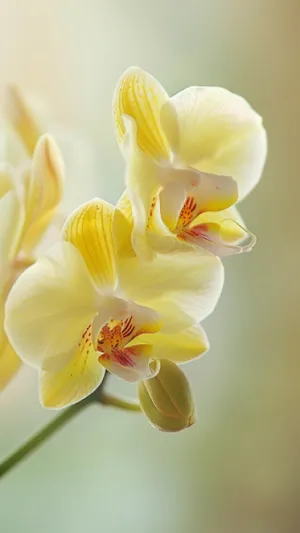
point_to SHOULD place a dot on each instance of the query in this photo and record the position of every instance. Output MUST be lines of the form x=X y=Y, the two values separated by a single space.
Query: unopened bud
x=167 y=399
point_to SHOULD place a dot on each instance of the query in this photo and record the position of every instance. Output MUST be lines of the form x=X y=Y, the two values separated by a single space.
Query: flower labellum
x=167 y=399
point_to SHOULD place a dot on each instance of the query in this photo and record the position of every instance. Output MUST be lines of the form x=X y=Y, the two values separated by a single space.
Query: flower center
x=113 y=338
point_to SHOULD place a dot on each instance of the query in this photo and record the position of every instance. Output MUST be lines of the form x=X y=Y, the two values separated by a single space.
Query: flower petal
x=74 y=381
x=11 y=221
x=36 y=231
x=21 y=118
x=43 y=189
x=172 y=199
x=180 y=347
x=9 y=361
x=183 y=287
x=122 y=227
x=140 y=96
x=219 y=133
x=49 y=305
x=47 y=176
x=6 y=180
x=143 y=185
x=214 y=237
x=89 y=229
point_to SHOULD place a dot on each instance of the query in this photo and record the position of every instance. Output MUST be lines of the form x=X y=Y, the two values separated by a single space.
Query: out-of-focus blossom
x=29 y=197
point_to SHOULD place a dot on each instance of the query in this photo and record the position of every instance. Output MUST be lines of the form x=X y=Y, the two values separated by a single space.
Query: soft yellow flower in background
x=189 y=159
x=10 y=222
x=82 y=309
x=29 y=198
x=21 y=119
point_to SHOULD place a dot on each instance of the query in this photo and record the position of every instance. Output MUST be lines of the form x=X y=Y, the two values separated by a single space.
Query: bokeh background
x=238 y=469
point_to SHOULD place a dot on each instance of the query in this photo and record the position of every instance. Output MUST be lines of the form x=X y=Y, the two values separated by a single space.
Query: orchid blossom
x=190 y=158
x=81 y=309
x=28 y=204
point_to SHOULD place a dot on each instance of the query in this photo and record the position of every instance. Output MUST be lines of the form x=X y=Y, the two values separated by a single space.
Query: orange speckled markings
x=187 y=213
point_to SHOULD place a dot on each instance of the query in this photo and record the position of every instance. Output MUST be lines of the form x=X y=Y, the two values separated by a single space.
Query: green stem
x=108 y=399
x=36 y=440
x=60 y=420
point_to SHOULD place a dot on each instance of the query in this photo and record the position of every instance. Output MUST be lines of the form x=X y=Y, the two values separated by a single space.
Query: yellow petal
x=74 y=381
x=179 y=347
x=11 y=222
x=143 y=182
x=9 y=363
x=89 y=229
x=21 y=118
x=6 y=180
x=172 y=199
x=37 y=230
x=49 y=306
x=183 y=287
x=43 y=189
x=219 y=133
x=123 y=226
x=140 y=96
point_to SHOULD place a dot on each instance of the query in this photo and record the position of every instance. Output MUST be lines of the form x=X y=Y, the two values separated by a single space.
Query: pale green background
x=238 y=469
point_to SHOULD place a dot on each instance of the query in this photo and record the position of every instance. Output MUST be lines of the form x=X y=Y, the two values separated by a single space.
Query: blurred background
x=238 y=469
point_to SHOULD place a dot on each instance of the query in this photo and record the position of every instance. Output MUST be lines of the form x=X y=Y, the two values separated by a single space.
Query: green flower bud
x=167 y=399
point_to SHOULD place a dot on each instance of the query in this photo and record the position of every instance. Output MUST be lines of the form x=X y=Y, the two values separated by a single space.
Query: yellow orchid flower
x=28 y=202
x=81 y=309
x=190 y=157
